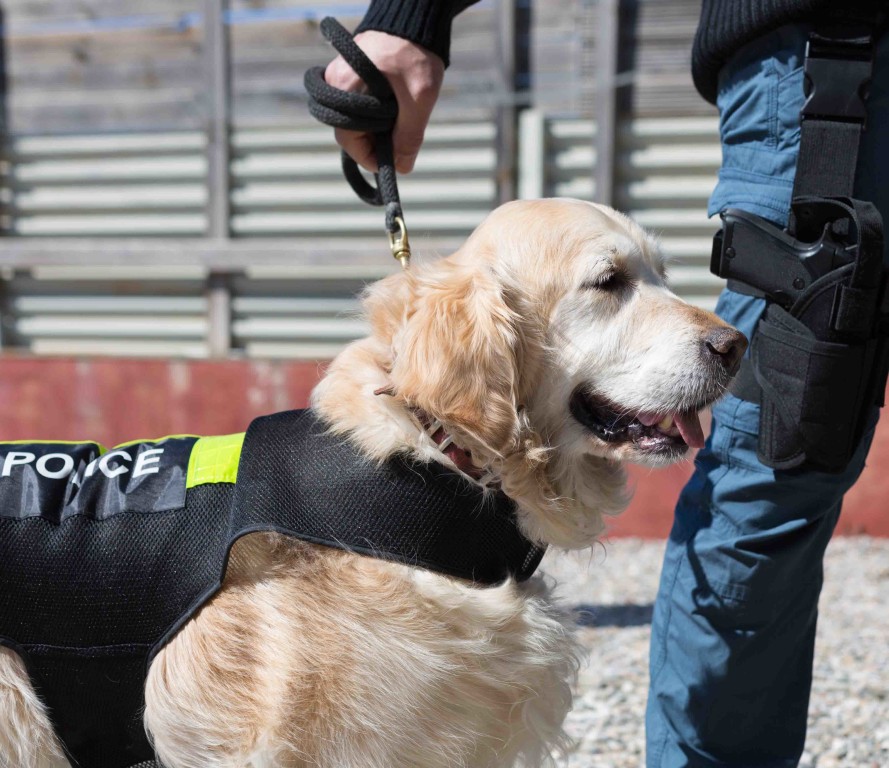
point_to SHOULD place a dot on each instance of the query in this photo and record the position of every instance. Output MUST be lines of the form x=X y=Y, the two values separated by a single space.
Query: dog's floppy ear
x=457 y=350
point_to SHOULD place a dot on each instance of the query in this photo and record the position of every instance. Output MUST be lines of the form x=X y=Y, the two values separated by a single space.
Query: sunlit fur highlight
x=26 y=736
x=310 y=656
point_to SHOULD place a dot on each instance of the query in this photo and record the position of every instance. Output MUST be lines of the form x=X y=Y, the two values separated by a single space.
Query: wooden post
x=513 y=27
x=4 y=79
x=219 y=314
x=217 y=71
x=606 y=99
x=505 y=120
x=6 y=220
x=532 y=155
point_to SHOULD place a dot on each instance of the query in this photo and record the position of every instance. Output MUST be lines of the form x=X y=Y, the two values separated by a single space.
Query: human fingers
x=359 y=145
x=415 y=75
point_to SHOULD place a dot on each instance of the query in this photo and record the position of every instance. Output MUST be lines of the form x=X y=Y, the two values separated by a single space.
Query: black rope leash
x=375 y=113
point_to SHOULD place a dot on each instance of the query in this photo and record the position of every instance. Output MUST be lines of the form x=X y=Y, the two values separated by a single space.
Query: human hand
x=415 y=75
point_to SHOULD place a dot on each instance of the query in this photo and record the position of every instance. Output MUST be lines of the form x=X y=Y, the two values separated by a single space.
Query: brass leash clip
x=400 y=244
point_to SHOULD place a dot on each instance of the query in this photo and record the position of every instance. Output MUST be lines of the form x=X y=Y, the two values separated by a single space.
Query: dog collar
x=459 y=456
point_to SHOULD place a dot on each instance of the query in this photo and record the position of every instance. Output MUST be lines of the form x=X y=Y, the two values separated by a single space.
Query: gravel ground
x=614 y=588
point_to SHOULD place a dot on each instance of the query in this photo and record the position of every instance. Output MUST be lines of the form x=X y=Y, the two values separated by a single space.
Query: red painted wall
x=115 y=400
x=865 y=508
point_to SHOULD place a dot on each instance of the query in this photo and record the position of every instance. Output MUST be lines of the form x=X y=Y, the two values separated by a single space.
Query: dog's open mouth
x=654 y=432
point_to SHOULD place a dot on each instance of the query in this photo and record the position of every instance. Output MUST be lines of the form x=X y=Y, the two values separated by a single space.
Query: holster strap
x=745 y=385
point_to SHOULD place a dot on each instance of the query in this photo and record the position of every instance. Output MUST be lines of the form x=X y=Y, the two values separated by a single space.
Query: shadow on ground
x=626 y=615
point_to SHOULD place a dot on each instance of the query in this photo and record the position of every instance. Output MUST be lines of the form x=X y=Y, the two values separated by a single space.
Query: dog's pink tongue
x=689 y=426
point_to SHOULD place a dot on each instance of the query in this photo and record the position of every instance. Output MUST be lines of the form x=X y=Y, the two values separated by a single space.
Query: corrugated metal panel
x=92 y=69
x=111 y=65
x=57 y=311
x=654 y=58
x=124 y=311
x=290 y=183
x=284 y=182
x=666 y=172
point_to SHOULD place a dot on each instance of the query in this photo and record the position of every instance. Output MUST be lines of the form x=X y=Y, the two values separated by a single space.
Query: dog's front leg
x=26 y=735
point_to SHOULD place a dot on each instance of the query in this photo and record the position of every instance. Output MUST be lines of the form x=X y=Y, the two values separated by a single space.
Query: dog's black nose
x=728 y=346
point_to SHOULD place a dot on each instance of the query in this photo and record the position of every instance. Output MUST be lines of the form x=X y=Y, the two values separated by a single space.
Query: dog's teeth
x=665 y=423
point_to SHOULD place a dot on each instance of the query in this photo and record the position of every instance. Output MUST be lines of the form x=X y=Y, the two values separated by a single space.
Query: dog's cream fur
x=310 y=656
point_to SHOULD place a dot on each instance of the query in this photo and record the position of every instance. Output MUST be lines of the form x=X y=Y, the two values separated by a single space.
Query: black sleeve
x=727 y=25
x=425 y=22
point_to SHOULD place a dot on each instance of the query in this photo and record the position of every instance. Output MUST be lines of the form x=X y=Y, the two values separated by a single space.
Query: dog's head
x=551 y=348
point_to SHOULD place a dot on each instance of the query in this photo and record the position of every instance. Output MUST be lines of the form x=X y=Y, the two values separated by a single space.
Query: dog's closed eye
x=609 y=280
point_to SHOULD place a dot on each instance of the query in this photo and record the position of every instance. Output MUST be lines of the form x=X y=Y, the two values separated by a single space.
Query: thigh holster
x=818 y=360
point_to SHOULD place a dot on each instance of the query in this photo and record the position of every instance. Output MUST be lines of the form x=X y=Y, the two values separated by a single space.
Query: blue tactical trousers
x=734 y=623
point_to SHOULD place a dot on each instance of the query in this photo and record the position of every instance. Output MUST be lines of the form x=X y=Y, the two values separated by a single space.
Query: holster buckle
x=837 y=74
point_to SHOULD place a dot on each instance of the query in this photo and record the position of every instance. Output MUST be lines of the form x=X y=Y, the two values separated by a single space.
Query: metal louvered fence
x=156 y=203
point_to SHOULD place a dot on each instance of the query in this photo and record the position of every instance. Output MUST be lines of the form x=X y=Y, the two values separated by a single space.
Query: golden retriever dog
x=551 y=351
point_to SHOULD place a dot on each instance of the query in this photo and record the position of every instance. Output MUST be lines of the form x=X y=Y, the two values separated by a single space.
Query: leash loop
x=374 y=112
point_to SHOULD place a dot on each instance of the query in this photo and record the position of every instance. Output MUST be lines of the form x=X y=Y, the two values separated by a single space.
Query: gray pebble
x=615 y=589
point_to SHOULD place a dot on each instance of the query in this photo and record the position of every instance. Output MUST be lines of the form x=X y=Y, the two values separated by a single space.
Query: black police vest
x=104 y=555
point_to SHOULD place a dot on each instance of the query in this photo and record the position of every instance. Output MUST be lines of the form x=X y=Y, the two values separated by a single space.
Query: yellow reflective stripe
x=214 y=460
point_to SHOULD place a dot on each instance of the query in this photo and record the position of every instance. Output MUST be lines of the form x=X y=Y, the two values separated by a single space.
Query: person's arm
x=409 y=41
